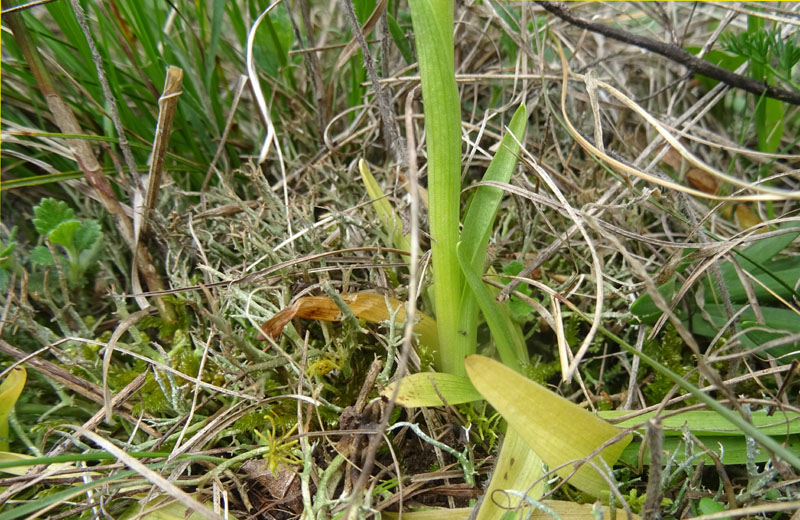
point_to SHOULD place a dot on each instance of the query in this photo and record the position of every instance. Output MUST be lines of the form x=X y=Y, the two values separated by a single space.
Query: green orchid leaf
x=10 y=391
x=429 y=388
x=558 y=430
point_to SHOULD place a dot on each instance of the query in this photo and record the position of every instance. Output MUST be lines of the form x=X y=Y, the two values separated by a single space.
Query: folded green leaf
x=558 y=430
x=10 y=391
x=64 y=234
x=478 y=223
x=564 y=510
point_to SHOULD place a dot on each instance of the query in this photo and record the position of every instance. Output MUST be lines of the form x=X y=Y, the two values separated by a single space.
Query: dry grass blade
x=765 y=193
x=157 y=480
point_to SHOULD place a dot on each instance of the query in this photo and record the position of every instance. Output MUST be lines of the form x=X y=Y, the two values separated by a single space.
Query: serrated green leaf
x=40 y=255
x=558 y=430
x=10 y=390
x=64 y=233
x=49 y=214
x=425 y=389
x=87 y=235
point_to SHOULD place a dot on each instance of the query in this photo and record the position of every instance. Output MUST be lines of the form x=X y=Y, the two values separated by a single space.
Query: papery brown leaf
x=371 y=307
x=703 y=181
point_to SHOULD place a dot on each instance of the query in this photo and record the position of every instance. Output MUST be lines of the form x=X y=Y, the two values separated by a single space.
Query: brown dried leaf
x=746 y=218
x=371 y=307
x=703 y=181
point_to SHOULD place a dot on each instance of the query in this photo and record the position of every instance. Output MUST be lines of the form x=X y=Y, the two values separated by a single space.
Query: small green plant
x=282 y=451
x=770 y=56
x=78 y=241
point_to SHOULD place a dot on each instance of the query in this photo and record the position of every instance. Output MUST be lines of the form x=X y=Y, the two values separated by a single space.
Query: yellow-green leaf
x=518 y=468
x=428 y=389
x=565 y=510
x=558 y=430
x=9 y=393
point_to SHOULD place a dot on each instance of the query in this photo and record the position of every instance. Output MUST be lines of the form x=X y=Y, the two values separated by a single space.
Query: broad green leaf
x=565 y=510
x=10 y=390
x=425 y=389
x=708 y=422
x=729 y=449
x=87 y=235
x=776 y=319
x=49 y=214
x=558 y=430
x=646 y=309
x=391 y=222
x=759 y=260
x=64 y=233
x=433 y=34
x=755 y=336
x=765 y=249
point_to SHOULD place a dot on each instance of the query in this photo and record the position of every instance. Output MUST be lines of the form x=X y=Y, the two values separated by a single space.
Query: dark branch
x=676 y=54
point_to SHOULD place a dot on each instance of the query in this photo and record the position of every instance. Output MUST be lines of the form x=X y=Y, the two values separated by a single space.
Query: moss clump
x=668 y=349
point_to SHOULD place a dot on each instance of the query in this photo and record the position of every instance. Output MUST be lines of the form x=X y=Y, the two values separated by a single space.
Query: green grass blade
x=433 y=30
x=703 y=423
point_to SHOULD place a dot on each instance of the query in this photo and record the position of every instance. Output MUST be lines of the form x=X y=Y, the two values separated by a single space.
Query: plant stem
x=433 y=29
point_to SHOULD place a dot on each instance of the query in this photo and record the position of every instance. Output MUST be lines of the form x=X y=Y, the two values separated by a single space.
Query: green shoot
x=80 y=240
x=433 y=29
